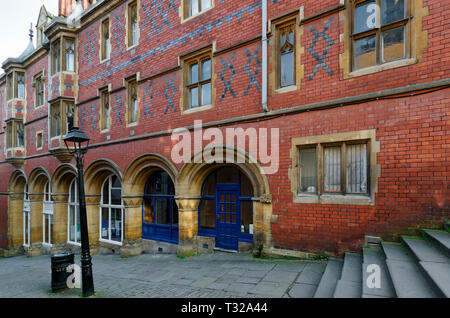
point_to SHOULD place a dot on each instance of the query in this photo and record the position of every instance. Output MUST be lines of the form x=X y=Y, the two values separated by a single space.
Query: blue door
x=228 y=214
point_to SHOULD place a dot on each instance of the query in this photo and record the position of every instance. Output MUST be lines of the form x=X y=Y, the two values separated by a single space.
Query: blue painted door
x=228 y=217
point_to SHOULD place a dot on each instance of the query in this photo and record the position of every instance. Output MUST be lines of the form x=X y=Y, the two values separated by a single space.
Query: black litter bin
x=60 y=262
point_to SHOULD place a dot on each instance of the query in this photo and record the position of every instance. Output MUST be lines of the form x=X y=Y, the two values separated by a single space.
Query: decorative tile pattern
x=171 y=44
x=174 y=90
x=153 y=12
x=82 y=117
x=118 y=109
x=227 y=83
x=147 y=99
x=118 y=31
x=321 y=58
x=93 y=117
x=253 y=76
x=89 y=48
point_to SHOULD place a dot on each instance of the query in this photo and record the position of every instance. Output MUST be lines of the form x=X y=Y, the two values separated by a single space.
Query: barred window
x=334 y=169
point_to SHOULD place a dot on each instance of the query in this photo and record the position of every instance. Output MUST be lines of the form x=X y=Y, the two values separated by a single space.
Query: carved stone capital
x=16 y=162
x=187 y=203
x=266 y=198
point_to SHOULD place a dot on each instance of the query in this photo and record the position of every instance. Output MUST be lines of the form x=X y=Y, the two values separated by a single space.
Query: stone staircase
x=418 y=267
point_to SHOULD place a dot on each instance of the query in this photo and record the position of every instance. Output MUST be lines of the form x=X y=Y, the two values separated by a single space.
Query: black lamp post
x=74 y=141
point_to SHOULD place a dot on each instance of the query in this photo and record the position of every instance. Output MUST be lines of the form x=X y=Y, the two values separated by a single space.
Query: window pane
x=72 y=224
x=193 y=7
x=206 y=70
x=134 y=111
x=194 y=73
x=308 y=170
x=116 y=225
x=209 y=187
x=246 y=187
x=105 y=223
x=247 y=217
x=392 y=10
x=394 y=44
x=106 y=193
x=194 y=97
x=162 y=209
x=365 y=16
x=287 y=69
x=78 y=229
x=46 y=228
x=365 y=52
x=228 y=175
x=332 y=167
x=148 y=211
x=208 y=215
x=206 y=4
x=206 y=94
x=356 y=168
x=174 y=213
x=116 y=196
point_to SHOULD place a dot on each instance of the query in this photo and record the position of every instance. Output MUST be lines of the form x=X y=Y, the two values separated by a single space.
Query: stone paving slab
x=218 y=275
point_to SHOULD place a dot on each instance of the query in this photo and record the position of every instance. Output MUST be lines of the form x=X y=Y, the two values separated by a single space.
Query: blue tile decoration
x=321 y=58
x=170 y=98
x=118 y=109
x=153 y=12
x=227 y=83
x=82 y=117
x=119 y=30
x=253 y=76
x=147 y=99
x=171 y=44
x=93 y=117
x=89 y=48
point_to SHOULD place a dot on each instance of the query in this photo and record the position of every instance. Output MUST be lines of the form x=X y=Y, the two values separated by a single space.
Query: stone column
x=60 y=223
x=188 y=224
x=36 y=236
x=93 y=220
x=132 y=242
x=15 y=224
x=263 y=225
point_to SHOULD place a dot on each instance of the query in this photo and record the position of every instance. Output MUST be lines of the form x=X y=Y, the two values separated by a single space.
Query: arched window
x=160 y=212
x=74 y=234
x=47 y=212
x=111 y=211
x=26 y=218
x=226 y=208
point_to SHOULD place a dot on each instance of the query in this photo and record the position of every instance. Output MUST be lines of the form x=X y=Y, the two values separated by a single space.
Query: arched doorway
x=159 y=210
x=226 y=208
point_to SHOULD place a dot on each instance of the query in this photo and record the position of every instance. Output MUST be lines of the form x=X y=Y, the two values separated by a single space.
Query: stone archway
x=60 y=183
x=37 y=180
x=17 y=183
x=134 y=182
x=188 y=194
x=94 y=177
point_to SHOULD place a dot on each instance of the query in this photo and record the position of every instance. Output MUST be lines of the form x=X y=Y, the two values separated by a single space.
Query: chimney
x=67 y=7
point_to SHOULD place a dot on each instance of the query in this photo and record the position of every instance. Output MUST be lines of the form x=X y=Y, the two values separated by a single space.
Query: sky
x=15 y=19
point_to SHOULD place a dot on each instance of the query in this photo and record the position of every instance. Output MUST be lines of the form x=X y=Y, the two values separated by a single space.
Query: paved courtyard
x=167 y=276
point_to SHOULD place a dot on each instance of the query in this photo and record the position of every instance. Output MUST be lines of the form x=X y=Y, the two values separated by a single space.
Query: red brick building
x=358 y=90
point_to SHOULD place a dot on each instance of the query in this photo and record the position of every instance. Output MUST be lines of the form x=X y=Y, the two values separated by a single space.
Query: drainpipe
x=264 y=56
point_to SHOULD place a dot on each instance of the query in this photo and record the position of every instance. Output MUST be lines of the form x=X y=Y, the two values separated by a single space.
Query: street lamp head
x=76 y=141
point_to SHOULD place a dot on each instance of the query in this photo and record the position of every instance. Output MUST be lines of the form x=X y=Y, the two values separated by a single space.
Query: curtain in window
x=357 y=168
x=332 y=167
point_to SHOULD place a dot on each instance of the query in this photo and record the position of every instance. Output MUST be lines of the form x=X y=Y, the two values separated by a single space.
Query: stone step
x=441 y=238
x=425 y=251
x=407 y=278
x=329 y=279
x=440 y=274
x=375 y=256
x=349 y=285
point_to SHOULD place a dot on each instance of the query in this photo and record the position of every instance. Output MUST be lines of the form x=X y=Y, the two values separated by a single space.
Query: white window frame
x=47 y=213
x=110 y=206
x=26 y=212
x=73 y=202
